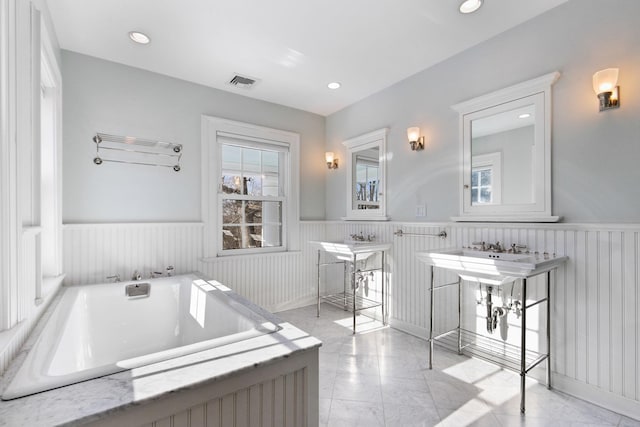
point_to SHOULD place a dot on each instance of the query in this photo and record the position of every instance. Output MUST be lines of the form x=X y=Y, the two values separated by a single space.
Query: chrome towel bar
x=442 y=234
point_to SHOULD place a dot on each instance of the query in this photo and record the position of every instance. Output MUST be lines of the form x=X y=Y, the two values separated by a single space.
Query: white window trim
x=24 y=40
x=211 y=127
x=51 y=77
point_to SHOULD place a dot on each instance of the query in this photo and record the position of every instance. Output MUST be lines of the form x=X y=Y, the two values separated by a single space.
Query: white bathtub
x=97 y=330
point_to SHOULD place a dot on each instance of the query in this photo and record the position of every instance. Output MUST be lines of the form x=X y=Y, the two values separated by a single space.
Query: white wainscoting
x=596 y=324
x=276 y=281
x=284 y=395
x=94 y=251
x=279 y=394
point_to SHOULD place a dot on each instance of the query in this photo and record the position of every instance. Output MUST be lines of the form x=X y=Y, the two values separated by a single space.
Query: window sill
x=250 y=256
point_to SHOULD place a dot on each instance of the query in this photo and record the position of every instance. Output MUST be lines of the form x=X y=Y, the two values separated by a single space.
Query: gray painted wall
x=102 y=96
x=595 y=171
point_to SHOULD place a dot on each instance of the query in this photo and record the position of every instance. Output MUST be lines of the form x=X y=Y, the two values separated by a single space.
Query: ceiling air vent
x=244 y=82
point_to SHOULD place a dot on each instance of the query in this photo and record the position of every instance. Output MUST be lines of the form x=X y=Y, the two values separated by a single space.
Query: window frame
x=283 y=198
x=213 y=130
x=493 y=163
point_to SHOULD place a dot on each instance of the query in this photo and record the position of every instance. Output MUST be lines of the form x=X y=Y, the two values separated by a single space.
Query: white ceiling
x=294 y=47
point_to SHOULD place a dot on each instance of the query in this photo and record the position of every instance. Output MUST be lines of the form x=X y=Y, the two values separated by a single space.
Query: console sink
x=492 y=268
x=346 y=251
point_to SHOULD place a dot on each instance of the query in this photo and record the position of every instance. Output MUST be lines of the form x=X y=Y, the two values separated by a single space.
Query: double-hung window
x=250 y=178
x=252 y=197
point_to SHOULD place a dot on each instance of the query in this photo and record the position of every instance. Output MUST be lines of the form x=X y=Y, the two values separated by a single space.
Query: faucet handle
x=517 y=248
x=115 y=276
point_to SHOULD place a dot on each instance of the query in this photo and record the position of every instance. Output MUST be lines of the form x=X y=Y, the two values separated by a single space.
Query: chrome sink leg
x=432 y=289
x=523 y=345
x=318 y=301
x=549 y=329
x=459 y=315
x=353 y=285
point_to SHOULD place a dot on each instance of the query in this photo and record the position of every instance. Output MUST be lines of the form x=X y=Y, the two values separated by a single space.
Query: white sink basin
x=491 y=267
x=346 y=251
x=494 y=255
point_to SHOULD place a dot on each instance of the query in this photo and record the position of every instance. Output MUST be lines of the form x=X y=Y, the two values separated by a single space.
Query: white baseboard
x=409 y=328
x=597 y=396
x=290 y=305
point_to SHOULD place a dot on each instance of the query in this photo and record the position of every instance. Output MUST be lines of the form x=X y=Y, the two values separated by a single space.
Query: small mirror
x=365 y=176
x=506 y=154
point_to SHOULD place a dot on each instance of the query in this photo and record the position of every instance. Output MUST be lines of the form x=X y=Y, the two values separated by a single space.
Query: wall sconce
x=415 y=140
x=332 y=162
x=605 y=85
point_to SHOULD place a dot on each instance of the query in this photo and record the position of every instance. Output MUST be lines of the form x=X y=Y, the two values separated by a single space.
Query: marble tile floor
x=380 y=377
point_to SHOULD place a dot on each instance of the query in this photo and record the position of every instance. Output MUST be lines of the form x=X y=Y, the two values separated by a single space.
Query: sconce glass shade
x=329 y=156
x=605 y=80
x=415 y=140
x=413 y=133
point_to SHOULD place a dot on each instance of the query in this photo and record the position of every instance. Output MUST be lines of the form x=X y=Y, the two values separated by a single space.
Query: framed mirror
x=366 y=170
x=505 y=139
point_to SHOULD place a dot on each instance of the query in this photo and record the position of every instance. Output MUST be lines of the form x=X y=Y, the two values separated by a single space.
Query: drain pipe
x=490 y=326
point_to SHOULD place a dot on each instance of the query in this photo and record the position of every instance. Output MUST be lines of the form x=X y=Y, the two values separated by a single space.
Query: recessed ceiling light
x=524 y=116
x=334 y=85
x=470 y=6
x=139 y=37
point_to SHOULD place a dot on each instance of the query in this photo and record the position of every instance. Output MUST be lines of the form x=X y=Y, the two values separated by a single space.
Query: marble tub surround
x=106 y=400
x=381 y=378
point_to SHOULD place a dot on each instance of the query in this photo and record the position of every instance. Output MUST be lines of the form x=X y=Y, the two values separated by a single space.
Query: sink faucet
x=481 y=244
x=517 y=249
x=136 y=276
x=357 y=237
x=497 y=247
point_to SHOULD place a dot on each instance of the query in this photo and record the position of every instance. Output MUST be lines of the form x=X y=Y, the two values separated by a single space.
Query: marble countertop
x=101 y=397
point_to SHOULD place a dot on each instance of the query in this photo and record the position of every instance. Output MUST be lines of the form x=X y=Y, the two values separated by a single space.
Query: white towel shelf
x=136 y=151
